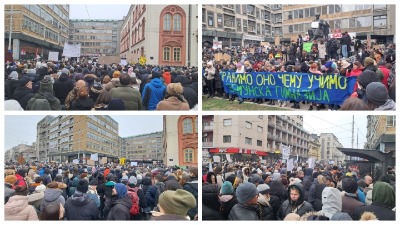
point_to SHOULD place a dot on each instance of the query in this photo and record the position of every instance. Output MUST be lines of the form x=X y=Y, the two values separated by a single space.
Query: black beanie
x=367 y=77
x=83 y=186
x=24 y=80
x=349 y=185
x=155 y=75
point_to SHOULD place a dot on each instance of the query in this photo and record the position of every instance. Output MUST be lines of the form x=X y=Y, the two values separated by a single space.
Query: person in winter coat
x=350 y=200
x=276 y=186
x=9 y=182
x=315 y=194
x=174 y=205
x=264 y=201
x=129 y=95
x=173 y=99
x=211 y=204
x=95 y=89
x=46 y=176
x=210 y=76
x=247 y=208
x=188 y=93
x=307 y=181
x=79 y=206
x=378 y=98
x=52 y=195
x=383 y=203
x=83 y=101
x=45 y=93
x=120 y=205
x=227 y=199
x=23 y=93
x=62 y=86
x=11 y=85
x=20 y=175
x=114 y=81
x=36 y=197
x=17 y=208
x=153 y=92
x=72 y=95
x=63 y=187
x=166 y=76
x=190 y=184
x=132 y=186
x=331 y=202
x=295 y=203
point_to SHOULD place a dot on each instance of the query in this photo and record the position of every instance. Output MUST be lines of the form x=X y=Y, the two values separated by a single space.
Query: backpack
x=135 y=209
x=40 y=104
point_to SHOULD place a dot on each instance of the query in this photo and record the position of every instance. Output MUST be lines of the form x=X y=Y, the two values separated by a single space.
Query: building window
x=203 y=16
x=177 y=22
x=210 y=19
x=247 y=125
x=166 y=53
x=244 y=25
x=380 y=21
x=189 y=153
x=195 y=125
x=226 y=139
x=219 y=21
x=259 y=129
x=237 y=9
x=238 y=25
x=247 y=141
x=187 y=126
x=167 y=22
x=227 y=122
x=177 y=54
x=259 y=143
x=229 y=21
x=390 y=121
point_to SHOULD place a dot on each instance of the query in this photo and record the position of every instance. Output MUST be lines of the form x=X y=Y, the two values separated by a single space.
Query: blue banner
x=327 y=89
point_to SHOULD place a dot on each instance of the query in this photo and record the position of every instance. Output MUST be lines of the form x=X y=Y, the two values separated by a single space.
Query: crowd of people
x=254 y=191
x=52 y=191
x=346 y=57
x=64 y=85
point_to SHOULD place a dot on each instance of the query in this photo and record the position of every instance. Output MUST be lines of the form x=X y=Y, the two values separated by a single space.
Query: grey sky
x=111 y=12
x=22 y=129
x=340 y=125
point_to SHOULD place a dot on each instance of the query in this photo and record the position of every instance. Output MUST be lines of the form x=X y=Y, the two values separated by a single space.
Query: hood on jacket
x=16 y=204
x=126 y=201
x=146 y=181
x=63 y=77
x=309 y=172
x=156 y=82
x=183 y=80
x=300 y=190
x=383 y=195
x=389 y=105
x=51 y=195
x=276 y=177
x=331 y=201
x=210 y=196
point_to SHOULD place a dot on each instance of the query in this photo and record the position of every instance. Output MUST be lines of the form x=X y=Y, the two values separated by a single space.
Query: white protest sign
x=71 y=50
x=133 y=163
x=216 y=158
x=123 y=62
x=94 y=157
x=53 y=56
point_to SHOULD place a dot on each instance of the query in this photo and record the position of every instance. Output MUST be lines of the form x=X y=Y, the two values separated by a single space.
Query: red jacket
x=386 y=74
x=354 y=73
x=167 y=77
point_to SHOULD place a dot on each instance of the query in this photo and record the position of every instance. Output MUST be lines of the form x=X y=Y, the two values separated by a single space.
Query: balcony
x=208 y=144
x=228 y=6
x=208 y=128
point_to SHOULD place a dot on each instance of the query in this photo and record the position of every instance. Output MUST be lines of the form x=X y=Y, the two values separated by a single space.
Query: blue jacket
x=153 y=93
x=361 y=195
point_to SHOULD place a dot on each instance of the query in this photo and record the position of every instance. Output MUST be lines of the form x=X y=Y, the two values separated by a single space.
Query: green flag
x=307 y=46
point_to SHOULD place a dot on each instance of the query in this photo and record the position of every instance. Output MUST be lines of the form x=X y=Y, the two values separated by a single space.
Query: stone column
x=16 y=48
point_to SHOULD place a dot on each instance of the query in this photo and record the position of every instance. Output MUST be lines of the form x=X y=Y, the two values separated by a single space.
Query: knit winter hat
x=65 y=71
x=328 y=64
x=349 y=185
x=155 y=74
x=121 y=190
x=132 y=180
x=24 y=80
x=10 y=179
x=40 y=188
x=263 y=189
x=176 y=202
x=46 y=85
x=226 y=188
x=83 y=186
x=175 y=89
x=377 y=93
x=13 y=75
x=94 y=181
x=334 y=66
x=255 y=178
x=245 y=192
x=367 y=77
x=125 y=177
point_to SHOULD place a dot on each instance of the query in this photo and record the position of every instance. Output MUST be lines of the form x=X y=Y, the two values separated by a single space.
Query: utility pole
x=11 y=22
x=352 y=134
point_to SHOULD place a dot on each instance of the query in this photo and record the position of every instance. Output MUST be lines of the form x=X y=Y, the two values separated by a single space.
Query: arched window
x=166 y=53
x=187 y=126
x=167 y=21
x=177 y=22
x=189 y=155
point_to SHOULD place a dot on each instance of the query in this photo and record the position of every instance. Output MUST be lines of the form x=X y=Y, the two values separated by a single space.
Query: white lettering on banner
x=222 y=150
x=71 y=50
x=252 y=37
x=290 y=165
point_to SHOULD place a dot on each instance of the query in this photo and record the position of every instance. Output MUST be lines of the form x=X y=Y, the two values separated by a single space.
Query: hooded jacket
x=62 y=87
x=383 y=202
x=210 y=203
x=120 y=208
x=80 y=207
x=23 y=95
x=390 y=105
x=300 y=206
x=331 y=202
x=52 y=196
x=17 y=208
x=153 y=93
x=188 y=93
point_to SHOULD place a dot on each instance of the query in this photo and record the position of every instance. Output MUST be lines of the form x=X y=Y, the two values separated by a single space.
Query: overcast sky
x=340 y=125
x=22 y=129
x=110 y=12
